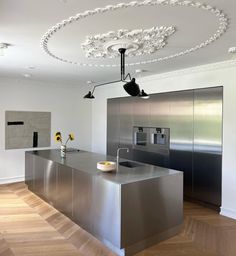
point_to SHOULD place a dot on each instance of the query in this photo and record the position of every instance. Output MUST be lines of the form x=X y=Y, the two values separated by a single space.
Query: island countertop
x=128 y=209
x=87 y=162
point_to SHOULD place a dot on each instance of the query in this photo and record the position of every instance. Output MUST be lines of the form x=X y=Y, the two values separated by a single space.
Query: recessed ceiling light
x=31 y=67
x=27 y=75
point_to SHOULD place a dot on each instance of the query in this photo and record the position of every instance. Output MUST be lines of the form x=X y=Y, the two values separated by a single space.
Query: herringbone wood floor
x=31 y=227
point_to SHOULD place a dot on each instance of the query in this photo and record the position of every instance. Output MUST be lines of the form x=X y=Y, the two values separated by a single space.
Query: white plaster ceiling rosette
x=136 y=42
x=220 y=15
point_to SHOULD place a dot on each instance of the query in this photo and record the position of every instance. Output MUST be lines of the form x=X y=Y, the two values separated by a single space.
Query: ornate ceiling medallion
x=136 y=42
x=221 y=17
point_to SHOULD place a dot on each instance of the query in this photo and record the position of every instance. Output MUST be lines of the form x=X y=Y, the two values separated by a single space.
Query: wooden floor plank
x=31 y=227
x=24 y=232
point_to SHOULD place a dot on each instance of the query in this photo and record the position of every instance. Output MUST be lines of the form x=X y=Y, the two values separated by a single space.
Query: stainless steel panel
x=39 y=167
x=106 y=218
x=50 y=182
x=208 y=120
x=114 y=206
x=29 y=170
x=151 y=140
x=82 y=199
x=158 y=206
x=141 y=110
x=181 y=135
x=159 y=110
x=207 y=159
x=158 y=117
x=113 y=126
x=195 y=121
x=126 y=126
x=64 y=202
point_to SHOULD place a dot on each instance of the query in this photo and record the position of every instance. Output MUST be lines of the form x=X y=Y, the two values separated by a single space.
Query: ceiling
x=24 y=22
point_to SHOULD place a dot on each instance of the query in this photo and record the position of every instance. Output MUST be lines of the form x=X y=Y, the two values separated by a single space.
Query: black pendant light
x=89 y=95
x=130 y=87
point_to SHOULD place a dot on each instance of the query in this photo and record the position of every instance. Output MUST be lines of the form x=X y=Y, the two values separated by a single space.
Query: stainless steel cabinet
x=159 y=110
x=126 y=127
x=64 y=185
x=113 y=123
x=194 y=118
x=156 y=114
x=106 y=210
x=41 y=177
x=207 y=159
x=50 y=182
x=181 y=135
x=29 y=170
x=121 y=214
x=141 y=109
x=82 y=204
x=39 y=169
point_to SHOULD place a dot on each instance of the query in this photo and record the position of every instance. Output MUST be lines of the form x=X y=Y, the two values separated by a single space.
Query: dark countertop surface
x=87 y=162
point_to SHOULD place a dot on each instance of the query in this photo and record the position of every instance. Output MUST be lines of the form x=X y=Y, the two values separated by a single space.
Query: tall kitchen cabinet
x=181 y=135
x=207 y=141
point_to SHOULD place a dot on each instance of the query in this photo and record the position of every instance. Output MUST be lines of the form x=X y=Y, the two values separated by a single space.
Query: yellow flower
x=57 y=137
x=71 y=136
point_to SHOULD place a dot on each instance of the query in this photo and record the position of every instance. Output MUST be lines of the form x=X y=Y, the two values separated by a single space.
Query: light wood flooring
x=31 y=227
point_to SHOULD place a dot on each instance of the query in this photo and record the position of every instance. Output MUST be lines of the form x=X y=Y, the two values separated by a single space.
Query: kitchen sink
x=130 y=164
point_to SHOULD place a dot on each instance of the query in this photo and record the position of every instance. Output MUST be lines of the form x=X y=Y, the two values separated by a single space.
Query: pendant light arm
x=128 y=75
x=117 y=81
x=130 y=87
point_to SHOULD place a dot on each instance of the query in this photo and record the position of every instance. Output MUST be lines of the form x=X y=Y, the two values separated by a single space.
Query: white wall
x=69 y=113
x=204 y=76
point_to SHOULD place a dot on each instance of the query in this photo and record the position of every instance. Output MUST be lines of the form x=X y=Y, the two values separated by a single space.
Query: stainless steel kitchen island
x=128 y=210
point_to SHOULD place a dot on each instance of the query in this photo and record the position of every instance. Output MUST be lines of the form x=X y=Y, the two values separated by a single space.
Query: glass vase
x=63 y=151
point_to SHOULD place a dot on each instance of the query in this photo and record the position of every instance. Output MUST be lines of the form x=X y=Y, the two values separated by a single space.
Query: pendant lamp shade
x=89 y=95
x=132 y=88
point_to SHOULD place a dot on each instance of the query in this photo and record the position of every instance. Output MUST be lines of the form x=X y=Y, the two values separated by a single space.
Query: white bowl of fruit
x=106 y=166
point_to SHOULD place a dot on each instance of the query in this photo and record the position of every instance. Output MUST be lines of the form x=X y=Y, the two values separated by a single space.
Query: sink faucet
x=118 y=154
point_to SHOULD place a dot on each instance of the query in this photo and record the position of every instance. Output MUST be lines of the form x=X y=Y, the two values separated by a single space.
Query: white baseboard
x=231 y=213
x=12 y=179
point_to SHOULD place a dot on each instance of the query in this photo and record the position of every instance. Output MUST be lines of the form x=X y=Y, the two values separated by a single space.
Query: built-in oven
x=140 y=137
x=153 y=139
x=159 y=140
x=151 y=145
